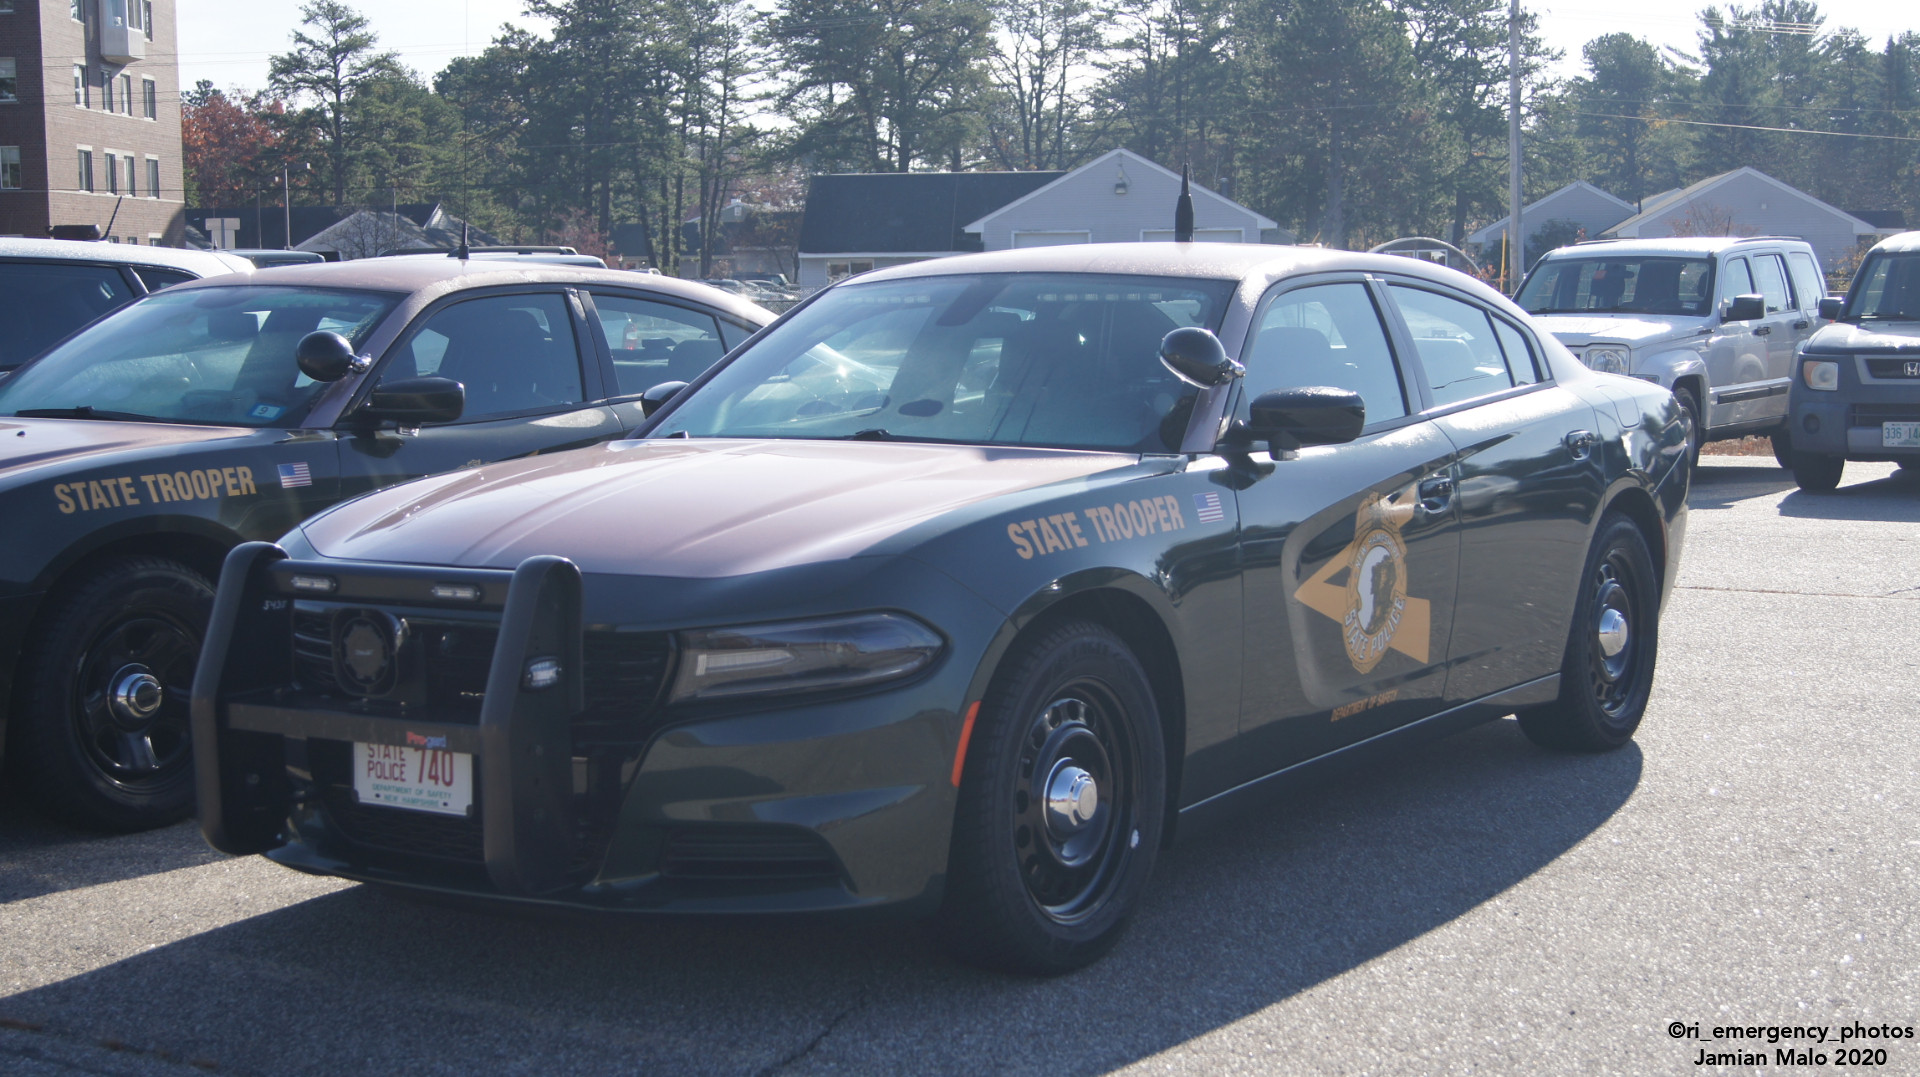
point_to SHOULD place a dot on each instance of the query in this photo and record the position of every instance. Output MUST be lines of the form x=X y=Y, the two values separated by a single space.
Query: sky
x=228 y=41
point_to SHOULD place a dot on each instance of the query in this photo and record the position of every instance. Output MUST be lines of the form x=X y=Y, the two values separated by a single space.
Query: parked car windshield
x=1681 y=286
x=1888 y=289
x=212 y=355
x=1042 y=359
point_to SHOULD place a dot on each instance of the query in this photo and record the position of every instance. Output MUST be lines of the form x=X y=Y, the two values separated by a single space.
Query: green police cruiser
x=958 y=591
x=135 y=454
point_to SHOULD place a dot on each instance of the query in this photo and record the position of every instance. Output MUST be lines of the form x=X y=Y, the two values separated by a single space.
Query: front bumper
x=845 y=803
x=1848 y=421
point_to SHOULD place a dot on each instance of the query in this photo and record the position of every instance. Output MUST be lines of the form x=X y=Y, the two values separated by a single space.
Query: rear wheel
x=1060 y=808
x=1607 y=673
x=104 y=733
x=1817 y=473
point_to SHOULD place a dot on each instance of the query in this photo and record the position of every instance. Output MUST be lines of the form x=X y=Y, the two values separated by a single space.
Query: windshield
x=1041 y=359
x=1620 y=285
x=1887 y=289
x=211 y=355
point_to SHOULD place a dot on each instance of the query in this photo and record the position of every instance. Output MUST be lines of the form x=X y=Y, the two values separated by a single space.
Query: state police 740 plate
x=418 y=779
x=1900 y=435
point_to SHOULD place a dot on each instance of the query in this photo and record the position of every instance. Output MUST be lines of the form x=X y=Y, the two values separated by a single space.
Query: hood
x=28 y=444
x=1632 y=329
x=1867 y=337
x=686 y=507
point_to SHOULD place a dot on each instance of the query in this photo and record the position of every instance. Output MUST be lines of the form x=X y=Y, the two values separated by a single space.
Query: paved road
x=1480 y=905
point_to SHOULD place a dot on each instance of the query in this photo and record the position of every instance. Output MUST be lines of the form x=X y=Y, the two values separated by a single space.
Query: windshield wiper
x=86 y=411
x=873 y=434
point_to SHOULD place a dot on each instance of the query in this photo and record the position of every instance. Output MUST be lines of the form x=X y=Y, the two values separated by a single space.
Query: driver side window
x=514 y=353
x=1325 y=334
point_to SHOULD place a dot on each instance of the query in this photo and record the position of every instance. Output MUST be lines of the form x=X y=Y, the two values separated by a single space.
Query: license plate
x=418 y=779
x=1900 y=435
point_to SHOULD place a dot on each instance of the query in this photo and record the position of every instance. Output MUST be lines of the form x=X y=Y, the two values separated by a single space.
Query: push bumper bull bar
x=242 y=716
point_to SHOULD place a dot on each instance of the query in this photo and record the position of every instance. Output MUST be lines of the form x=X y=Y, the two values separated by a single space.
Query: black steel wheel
x=1696 y=430
x=1060 y=808
x=104 y=733
x=1817 y=473
x=1607 y=673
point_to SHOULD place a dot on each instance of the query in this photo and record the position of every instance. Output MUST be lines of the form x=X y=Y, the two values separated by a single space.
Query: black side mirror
x=414 y=401
x=1196 y=357
x=1744 y=308
x=1830 y=307
x=653 y=399
x=1287 y=419
x=325 y=356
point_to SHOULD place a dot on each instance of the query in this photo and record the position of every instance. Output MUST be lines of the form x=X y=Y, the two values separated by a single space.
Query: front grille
x=445 y=837
x=1894 y=368
x=1875 y=414
x=747 y=852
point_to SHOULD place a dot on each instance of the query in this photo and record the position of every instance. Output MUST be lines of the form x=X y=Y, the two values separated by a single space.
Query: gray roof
x=1665 y=202
x=909 y=212
x=199 y=263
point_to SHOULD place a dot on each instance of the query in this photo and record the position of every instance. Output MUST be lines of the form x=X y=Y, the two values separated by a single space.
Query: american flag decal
x=292 y=475
x=1207 y=507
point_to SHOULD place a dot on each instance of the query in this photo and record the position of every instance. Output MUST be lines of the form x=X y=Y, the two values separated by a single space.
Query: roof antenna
x=1183 y=211
x=462 y=252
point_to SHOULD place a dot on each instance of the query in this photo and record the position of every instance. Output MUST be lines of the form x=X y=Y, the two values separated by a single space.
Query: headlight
x=1607 y=360
x=854 y=651
x=1820 y=375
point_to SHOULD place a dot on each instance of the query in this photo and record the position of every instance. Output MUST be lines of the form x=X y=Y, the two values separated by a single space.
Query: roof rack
x=481 y=250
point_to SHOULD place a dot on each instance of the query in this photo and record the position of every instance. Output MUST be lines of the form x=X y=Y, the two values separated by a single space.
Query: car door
x=1780 y=333
x=519 y=355
x=1737 y=358
x=649 y=340
x=1529 y=483
x=1350 y=551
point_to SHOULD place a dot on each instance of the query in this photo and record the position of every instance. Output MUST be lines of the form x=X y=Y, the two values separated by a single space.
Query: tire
x=1033 y=885
x=1782 y=449
x=103 y=737
x=1817 y=473
x=1908 y=463
x=1697 y=433
x=1603 y=696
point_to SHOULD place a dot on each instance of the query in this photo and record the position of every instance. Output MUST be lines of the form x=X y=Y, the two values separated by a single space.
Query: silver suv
x=1716 y=320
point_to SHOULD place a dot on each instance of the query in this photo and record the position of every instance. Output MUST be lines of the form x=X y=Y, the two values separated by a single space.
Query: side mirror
x=1287 y=419
x=653 y=399
x=1196 y=357
x=1830 y=307
x=415 y=401
x=1744 y=308
x=325 y=356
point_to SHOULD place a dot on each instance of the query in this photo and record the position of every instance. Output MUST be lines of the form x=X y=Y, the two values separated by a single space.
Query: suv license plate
x=1900 y=435
x=418 y=779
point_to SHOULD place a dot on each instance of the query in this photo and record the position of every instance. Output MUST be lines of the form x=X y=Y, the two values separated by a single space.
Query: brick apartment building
x=90 y=119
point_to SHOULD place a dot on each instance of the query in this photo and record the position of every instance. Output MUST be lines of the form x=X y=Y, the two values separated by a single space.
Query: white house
x=1580 y=202
x=1747 y=202
x=1118 y=197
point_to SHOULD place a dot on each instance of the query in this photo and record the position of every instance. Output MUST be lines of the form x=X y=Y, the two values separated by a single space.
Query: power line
x=1748 y=127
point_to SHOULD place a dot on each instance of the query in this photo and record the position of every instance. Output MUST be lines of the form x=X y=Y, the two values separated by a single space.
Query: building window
x=113 y=173
x=77 y=9
x=86 y=170
x=153 y=177
x=146 y=17
x=133 y=168
x=106 y=91
x=8 y=87
x=126 y=94
x=151 y=99
x=6 y=7
x=82 y=93
x=9 y=168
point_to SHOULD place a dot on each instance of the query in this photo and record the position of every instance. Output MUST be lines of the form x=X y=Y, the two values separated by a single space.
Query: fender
x=92 y=542
x=1673 y=362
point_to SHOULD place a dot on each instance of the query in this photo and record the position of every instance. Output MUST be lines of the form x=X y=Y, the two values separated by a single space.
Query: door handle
x=1762 y=330
x=1580 y=443
x=1802 y=324
x=1435 y=492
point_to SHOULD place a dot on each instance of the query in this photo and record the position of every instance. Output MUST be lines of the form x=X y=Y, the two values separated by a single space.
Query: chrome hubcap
x=1073 y=798
x=1612 y=632
x=136 y=696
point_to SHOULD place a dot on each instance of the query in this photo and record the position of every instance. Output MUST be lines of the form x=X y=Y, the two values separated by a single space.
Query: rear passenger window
x=155 y=278
x=1771 y=277
x=1522 y=364
x=1458 y=351
x=41 y=303
x=1326 y=334
x=653 y=342
x=1808 y=285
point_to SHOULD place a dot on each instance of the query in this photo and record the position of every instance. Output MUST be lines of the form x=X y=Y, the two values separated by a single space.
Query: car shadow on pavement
x=39 y=856
x=1892 y=499
x=1330 y=877
x=1723 y=486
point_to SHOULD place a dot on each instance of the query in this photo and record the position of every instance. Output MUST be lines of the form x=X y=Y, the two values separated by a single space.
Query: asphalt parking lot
x=1479 y=905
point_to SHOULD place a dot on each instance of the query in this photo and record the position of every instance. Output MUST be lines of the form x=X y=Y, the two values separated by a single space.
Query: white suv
x=1716 y=320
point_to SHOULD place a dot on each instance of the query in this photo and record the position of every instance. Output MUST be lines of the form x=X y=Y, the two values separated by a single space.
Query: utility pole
x=1516 y=241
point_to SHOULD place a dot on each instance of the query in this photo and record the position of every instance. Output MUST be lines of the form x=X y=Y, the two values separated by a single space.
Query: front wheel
x=1060 y=809
x=104 y=732
x=1782 y=449
x=1607 y=673
x=1909 y=463
x=1817 y=473
x=1696 y=431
